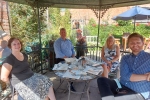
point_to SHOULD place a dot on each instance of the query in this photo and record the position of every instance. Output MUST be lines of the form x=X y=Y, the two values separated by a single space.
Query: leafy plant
x=24 y=23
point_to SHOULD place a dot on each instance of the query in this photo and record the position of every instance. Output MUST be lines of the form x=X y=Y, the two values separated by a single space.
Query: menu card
x=97 y=64
x=93 y=70
x=70 y=59
x=78 y=72
x=60 y=66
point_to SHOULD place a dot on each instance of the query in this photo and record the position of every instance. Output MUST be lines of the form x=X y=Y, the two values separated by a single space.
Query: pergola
x=81 y=4
x=99 y=7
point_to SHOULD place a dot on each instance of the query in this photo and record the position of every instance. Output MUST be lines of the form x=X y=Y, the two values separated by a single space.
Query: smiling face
x=110 y=41
x=63 y=33
x=135 y=44
x=16 y=45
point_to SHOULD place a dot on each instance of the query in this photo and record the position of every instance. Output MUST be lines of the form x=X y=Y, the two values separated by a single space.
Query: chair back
x=125 y=34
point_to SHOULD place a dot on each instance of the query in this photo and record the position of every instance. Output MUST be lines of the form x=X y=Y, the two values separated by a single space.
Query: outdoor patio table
x=73 y=73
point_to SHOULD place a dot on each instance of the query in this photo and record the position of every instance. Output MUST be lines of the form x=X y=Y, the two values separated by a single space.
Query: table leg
x=88 y=92
x=87 y=85
x=69 y=90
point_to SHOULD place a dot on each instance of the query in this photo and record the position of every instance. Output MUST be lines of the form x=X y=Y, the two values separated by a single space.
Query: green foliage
x=117 y=30
x=92 y=27
x=24 y=22
x=124 y=23
x=58 y=21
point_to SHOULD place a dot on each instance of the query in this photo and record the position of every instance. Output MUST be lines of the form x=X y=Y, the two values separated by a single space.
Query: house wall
x=86 y=14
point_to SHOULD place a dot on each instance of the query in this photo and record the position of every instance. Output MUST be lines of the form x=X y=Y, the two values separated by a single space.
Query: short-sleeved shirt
x=20 y=69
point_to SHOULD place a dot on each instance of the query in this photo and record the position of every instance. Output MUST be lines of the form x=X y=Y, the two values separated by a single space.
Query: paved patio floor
x=62 y=92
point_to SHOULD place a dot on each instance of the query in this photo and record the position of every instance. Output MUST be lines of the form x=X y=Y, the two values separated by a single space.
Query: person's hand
x=148 y=77
x=110 y=64
x=73 y=56
x=107 y=61
x=65 y=57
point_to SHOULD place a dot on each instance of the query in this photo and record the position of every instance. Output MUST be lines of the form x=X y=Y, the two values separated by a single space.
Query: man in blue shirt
x=63 y=47
x=134 y=71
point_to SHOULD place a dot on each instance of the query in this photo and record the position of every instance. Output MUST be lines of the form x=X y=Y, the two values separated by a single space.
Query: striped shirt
x=63 y=48
x=139 y=64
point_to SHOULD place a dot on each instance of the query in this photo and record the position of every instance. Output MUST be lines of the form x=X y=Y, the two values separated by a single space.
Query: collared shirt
x=63 y=48
x=6 y=52
x=136 y=64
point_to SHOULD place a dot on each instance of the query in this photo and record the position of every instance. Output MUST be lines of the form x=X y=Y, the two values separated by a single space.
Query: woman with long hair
x=110 y=55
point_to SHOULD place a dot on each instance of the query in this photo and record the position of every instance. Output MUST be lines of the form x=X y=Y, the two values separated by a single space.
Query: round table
x=74 y=76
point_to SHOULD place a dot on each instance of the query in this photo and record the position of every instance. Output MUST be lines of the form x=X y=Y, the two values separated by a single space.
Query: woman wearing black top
x=16 y=70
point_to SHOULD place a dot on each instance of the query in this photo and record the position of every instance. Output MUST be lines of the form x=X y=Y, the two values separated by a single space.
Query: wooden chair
x=124 y=40
x=146 y=43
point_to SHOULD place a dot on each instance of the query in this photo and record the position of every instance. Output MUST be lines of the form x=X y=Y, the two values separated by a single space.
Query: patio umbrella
x=135 y=13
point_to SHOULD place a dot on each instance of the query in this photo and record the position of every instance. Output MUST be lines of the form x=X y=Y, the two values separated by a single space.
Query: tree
x=58 y=21
x=24 y=22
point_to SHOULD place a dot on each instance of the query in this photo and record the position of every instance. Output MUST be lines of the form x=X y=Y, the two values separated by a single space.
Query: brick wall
x=4 y=21
x=4 y=16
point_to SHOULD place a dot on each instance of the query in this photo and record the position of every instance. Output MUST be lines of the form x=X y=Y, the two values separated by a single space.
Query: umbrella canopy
x=136 y=13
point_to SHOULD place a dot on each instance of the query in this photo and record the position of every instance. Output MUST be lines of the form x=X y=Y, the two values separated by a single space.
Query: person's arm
x=138 y=77
x=73 y=52
x=102 y=56
x=116 y=57
x=5 y=71
x=148 y=76
x=127 y=74
x=57 y=50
